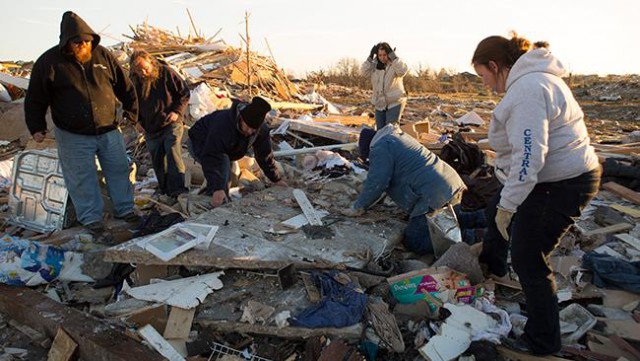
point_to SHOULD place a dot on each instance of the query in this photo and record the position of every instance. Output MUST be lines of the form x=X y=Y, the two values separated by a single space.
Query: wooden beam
x=179 y=323
x=622 y=191
x=307 y=208
x=285 y=153
x=341 y=134
x=96 y=339
x=350 y=333
x=518 y=356
x=63 y=348
x=614 y=228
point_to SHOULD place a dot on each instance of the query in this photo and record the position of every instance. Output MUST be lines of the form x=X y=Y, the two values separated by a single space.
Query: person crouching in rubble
x=386 y=71
x=163 y=97
x=548 y=170
x=416 y=180
x=224 y=136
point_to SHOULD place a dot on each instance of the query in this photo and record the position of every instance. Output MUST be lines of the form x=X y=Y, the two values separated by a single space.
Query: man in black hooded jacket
x=83 y=85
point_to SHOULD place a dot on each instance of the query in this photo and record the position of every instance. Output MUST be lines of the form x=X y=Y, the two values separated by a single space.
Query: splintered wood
x=200 y=59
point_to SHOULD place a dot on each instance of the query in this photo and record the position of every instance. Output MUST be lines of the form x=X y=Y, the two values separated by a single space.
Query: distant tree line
x=423 y=79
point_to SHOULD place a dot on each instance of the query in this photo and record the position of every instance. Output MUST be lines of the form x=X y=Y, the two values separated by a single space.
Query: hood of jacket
x=71 y=26
x=535 y=61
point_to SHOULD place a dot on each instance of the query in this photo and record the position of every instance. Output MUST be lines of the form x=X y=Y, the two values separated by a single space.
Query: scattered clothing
x=612 y=272
x=341 y=305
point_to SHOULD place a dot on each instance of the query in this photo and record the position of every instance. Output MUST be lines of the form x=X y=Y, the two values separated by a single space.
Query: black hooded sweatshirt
x=169 y=93
x=83 y=97
x=216 y=141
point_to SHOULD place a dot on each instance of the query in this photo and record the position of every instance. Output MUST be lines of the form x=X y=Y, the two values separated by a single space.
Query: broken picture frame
x=172 y=241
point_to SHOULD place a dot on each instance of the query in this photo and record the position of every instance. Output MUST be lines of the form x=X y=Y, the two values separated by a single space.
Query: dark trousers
x=165 y=148
x=535 y=231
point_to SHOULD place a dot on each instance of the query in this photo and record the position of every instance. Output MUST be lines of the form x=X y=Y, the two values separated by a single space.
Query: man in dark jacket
x=415 y=178
x=225 y=136
x=82 y=83
x=163 y=97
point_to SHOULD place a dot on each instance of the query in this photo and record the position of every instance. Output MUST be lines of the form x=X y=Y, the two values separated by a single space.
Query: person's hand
x=392 y=55
x=38 y=137
x=139 y=128
x=173 y=117
x=281 y=183
x=374 y=51
x=352 y=212
x=218 y=198
x=503 y=219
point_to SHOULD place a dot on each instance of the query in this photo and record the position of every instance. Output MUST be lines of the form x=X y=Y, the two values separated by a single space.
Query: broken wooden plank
x=629 y=239
x=63 y=347
x=626 y=346
x=295 y=106
x=605 y=346
x=286 y=153
x=622 y=192
x=307 y=208
x=623 y=328
x=620 y=227
x=340 y=134
x=633 y=212
x=159 y=344
x=348 y=120
x=519 y=356
x=96 y=339
x=179 y=323
x=385 y=325
x=350 y=333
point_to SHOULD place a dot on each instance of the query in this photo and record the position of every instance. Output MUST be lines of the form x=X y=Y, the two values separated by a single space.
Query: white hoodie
x=538 y=130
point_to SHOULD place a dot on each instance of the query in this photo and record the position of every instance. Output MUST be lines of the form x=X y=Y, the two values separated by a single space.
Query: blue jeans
x=391 y=115
x=418 y=239
x=472 y=224
x=77 y=155
x=165 y=148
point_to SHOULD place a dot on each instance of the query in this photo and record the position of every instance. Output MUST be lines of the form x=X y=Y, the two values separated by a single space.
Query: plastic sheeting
x=205 y=100
x=27 y=263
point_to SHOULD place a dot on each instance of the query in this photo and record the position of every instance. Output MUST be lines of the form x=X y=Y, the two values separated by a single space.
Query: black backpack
x=470 y=163
x=464 y=157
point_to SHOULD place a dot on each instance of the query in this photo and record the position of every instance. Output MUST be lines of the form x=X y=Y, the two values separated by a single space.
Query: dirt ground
x=608 y=120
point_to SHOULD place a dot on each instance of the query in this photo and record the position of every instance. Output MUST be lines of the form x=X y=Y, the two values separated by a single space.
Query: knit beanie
x=255 y=112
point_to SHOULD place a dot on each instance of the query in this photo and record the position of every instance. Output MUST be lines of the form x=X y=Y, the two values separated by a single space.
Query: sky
x=588 y=36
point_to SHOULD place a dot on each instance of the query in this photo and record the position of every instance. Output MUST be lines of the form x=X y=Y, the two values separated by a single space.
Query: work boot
x=99 y=234
x=130 y=218
x=95 y=228
x=168 y=200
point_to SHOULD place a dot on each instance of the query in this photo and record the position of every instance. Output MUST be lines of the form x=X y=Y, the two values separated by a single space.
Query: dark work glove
x=392 y=56
x=374 y=51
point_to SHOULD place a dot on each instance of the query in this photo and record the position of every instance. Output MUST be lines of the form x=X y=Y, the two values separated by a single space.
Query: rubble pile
x=214 y=62
x=281 y=273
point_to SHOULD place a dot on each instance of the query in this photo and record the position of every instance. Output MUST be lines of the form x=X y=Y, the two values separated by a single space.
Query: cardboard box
x=435 y=285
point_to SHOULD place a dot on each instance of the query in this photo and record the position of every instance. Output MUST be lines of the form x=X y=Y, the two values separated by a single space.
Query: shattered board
x=242 y=240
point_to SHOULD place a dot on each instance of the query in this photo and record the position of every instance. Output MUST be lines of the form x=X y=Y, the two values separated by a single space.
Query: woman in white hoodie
x=548 y=169
x=386 y=71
